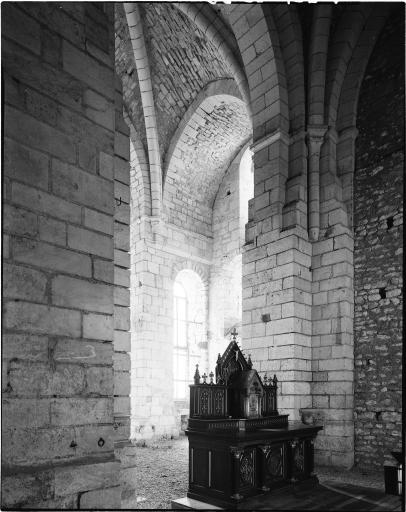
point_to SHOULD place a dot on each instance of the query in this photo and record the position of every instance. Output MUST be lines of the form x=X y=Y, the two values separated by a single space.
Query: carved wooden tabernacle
x=239 y=395
x=239 y=445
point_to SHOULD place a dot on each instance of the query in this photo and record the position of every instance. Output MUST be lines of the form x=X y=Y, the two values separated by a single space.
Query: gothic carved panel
x=219 y=403
x=204 y=403
x=274 y=462
x=298 y=457
x=247 y=468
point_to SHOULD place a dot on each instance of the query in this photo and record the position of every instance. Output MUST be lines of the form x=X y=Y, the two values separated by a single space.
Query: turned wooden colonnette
x=239 y=446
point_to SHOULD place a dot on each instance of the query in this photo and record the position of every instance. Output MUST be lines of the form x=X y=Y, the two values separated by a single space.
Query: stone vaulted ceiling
x=182 y=62
x=212 y=138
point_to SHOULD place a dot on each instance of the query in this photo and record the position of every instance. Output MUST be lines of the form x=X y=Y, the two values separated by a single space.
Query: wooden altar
x=239 y=445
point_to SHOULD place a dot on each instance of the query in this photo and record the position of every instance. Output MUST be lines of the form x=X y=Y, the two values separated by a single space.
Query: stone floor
x=322 y=497
x=158 y=473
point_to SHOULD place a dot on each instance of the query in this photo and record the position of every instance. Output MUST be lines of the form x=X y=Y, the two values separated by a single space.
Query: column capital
x=315 y=133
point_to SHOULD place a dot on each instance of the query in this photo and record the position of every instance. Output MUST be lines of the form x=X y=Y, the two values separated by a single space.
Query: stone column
x=295 y=207
x=315 y=136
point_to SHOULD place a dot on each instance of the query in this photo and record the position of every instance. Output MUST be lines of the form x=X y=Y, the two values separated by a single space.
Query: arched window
x=180 y=345
x=189 y=330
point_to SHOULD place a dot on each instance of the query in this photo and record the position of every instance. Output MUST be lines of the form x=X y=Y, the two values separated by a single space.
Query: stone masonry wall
x=225 y=275
x=378 y=227
x=58 y=71
x=121 y=280
x=156 y=260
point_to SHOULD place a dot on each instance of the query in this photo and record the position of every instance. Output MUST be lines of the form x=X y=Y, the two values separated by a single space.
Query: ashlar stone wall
x=59 y=146
x=156 y=261
x=158 y=255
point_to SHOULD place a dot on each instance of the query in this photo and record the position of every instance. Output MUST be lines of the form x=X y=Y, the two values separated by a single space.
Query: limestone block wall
x=225 y=275
x=122 y=341
x=155 y=261
x=298 y=303
x=58 y=70
x=332 y=340
x=378 y=254
x=277 y=285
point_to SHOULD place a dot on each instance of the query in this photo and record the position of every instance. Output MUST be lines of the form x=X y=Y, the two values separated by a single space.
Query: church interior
x=176 y=175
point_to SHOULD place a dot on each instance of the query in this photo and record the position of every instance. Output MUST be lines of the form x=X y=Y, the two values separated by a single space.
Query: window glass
x=188 y=329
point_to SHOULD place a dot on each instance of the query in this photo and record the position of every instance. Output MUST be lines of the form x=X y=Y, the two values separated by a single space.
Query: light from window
x=189 y=320
x=180 y=354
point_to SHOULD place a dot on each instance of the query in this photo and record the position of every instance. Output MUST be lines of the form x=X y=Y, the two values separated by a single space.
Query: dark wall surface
x=378 y=253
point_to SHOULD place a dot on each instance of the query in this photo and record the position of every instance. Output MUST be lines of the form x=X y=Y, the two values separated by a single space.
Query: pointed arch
x=347 y=107
x=319 y=42
x=144 y=76
x=259 y=46
x=140 y=185
x=291 y=46
x=223 y=87
x=344 y=41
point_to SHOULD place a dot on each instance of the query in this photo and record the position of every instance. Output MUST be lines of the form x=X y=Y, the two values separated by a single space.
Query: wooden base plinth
x=191 y=504
x=259 y=500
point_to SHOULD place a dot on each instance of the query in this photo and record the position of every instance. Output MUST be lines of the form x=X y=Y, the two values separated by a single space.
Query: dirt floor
x=159 y=474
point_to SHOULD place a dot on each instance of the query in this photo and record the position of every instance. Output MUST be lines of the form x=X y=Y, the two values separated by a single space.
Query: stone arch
x=289 y=30
x=344 y=42
x=211 y=133
x=226 y=86
x=140 y=185
x=258 y=41
x=186 y=264
x=318 y=62
x=347 y=106
x=144 y=75
x=289 y=34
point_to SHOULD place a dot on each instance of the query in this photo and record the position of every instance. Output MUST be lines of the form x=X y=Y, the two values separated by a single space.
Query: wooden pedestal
x=225 y=469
